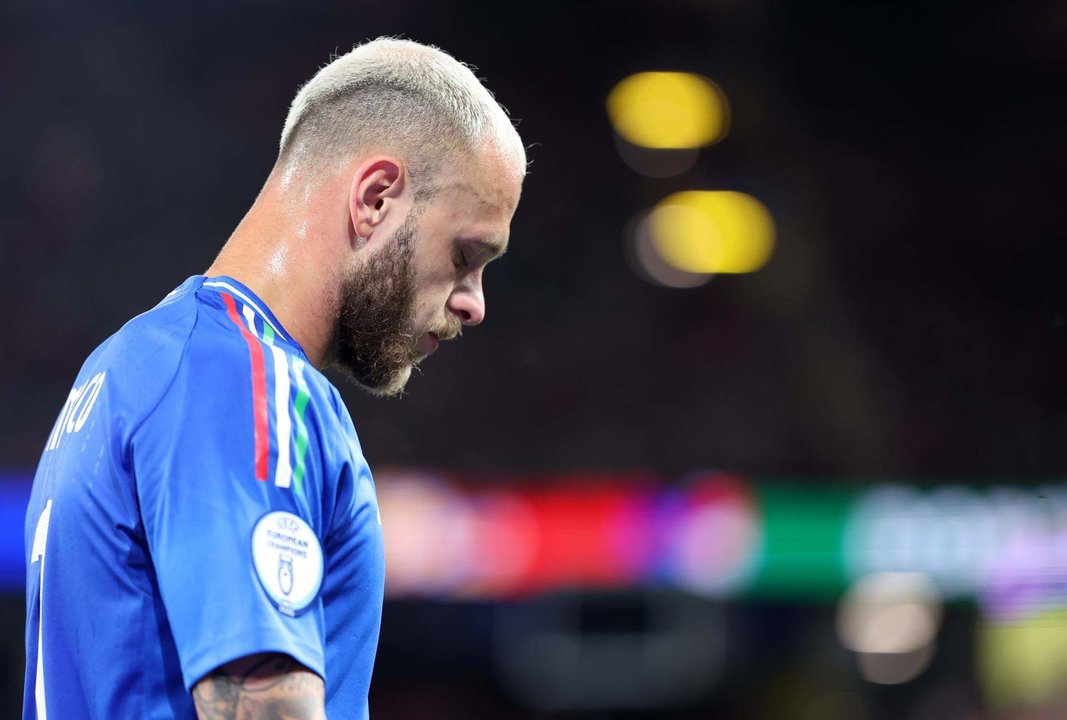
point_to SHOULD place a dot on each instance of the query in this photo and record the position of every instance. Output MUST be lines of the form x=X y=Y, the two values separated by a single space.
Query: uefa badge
x=285 y=574
x=288 y=560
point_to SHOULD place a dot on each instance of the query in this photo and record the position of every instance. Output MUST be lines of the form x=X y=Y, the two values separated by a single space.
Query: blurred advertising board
x=710 y=533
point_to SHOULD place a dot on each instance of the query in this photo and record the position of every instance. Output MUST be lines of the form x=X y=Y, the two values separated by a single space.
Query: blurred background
x=766 y=419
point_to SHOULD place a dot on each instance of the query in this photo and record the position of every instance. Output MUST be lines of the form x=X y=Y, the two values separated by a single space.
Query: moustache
x=450 y=329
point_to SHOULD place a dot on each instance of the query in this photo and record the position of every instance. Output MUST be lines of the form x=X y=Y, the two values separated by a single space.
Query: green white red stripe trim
x=299 y=407
x=245 y=299
x=250 y=318
x=283 y=470
x=290 y=467
x=259 y=390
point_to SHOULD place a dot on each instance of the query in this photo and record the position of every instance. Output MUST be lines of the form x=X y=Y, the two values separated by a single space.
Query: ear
x=377 y=187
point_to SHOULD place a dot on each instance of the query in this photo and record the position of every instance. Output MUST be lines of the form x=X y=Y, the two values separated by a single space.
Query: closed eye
x=460 y=260
x=477 y=251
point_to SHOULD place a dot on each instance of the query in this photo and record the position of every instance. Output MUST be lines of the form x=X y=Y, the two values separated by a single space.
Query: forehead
x=478 y=199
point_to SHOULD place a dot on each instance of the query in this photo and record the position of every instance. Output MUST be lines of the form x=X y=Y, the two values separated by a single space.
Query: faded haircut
x=400 y=96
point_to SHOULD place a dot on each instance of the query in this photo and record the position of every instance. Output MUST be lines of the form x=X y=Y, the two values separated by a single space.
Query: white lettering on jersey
x=40 y=543
x=76 y=410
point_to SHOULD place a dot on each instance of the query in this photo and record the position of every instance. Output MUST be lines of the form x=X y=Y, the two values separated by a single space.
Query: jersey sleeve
x=235 y=538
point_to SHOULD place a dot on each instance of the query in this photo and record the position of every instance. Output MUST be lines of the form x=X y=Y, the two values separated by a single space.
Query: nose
x=467 y=302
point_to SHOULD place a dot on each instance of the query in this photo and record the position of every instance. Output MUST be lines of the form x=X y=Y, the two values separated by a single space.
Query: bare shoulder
x=267 y=685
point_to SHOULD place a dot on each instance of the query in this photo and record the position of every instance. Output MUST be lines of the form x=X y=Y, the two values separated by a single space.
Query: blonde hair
x=400 y=96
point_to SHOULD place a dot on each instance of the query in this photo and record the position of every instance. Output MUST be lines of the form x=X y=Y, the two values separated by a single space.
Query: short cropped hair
x=401 y=96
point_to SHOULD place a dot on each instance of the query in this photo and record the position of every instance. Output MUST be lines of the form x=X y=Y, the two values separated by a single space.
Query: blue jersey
x=202 y=497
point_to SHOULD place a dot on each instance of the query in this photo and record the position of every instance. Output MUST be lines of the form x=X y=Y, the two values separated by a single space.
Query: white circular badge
x=288 y=560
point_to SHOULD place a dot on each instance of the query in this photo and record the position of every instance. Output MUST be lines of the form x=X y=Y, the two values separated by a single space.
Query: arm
x=267 y=686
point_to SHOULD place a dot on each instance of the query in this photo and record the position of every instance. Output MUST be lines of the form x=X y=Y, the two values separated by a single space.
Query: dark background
x=910 y=323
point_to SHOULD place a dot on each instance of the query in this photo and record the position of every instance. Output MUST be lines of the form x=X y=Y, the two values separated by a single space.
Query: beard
x=374 y=338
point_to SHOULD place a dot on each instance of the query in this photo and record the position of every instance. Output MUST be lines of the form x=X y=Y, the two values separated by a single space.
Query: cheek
x=432 y=294
x=429 y=307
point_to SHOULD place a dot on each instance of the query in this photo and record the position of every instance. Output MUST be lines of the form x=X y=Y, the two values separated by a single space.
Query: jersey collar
x=224 y=283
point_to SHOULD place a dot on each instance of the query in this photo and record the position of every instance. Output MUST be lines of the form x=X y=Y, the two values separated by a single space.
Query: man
x=203 y=536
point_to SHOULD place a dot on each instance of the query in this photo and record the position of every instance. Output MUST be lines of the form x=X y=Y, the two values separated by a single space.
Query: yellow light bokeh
x=1023 y=663
x=668 y=110
x=646 y=260
x=708 y=231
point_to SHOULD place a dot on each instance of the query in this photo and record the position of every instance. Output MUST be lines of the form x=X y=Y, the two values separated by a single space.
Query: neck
x=281 y=252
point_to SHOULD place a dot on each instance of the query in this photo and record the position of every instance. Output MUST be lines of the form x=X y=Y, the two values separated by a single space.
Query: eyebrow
x=496 y=249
